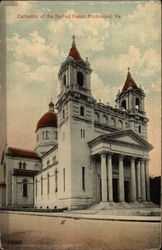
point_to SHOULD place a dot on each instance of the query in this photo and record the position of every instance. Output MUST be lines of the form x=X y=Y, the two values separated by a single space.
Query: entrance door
x=115 y=190
x=99 y=189
x=126 y=190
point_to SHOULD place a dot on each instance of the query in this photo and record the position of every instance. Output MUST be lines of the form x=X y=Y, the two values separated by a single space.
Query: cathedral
x=86 y=152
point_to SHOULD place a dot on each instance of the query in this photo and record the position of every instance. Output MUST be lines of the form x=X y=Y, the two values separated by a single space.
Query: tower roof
x=74 y=52
x=129 y=82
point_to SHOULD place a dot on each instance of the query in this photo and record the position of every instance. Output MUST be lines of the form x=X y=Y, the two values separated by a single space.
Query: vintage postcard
x=80 y=127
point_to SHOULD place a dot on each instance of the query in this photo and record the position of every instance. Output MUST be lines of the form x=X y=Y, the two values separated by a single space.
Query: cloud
x=20 y=7
x=143 y=66
x=44 y=73
x=35 y=49
x=142 y=27
x=105 y=93
x=88 y=31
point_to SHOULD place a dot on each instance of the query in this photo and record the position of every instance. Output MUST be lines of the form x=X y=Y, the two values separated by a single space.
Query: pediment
x=128 y=139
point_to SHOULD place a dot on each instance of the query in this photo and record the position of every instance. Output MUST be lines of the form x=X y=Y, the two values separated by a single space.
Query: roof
x=22 y=172
x=74 y=52
x=129 y=83
x=22 y=152
x=49 y=119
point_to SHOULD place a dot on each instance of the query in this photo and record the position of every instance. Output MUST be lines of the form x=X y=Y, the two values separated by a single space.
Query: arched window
x=47 y=134
x=80 y=79
x=41 y=185
x=64 y=80
x=54 y=159
x=20 y=165
x=56 y=181
x=63 y=114
x=104 y=119
x=25 y=188
x=120 y=124
x=137 y=103
x=64 y=179
x=43 y=135
x=139 y=129
x=82 y=111
x=96 y=117
x=112 y=122
x=24 y=165
x=123 y=104
x=48 y=184
x=55 y=135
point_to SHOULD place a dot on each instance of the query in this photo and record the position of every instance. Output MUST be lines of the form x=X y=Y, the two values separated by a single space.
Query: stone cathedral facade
x=86 y=152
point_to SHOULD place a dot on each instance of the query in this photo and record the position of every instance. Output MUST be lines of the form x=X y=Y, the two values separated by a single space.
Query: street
x=41 y=232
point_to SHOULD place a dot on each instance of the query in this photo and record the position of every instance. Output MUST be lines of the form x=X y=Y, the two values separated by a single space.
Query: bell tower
x=131 y=98
x=75 y=126
x=74 y=72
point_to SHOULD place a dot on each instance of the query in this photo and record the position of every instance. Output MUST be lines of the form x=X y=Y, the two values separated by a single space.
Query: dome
x=49 y=119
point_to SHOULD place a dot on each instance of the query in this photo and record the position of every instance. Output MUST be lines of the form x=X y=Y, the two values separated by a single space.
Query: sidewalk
x=98 y=215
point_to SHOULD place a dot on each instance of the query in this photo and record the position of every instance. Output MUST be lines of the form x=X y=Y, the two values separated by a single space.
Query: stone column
x=133 y=180
x=138 y=181
x=121 y=179
x=103 y=177
x=143 y=180
x=110 y=186
x=147 y=180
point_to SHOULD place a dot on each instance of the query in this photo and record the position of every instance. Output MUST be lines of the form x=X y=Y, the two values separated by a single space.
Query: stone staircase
x=123 y=208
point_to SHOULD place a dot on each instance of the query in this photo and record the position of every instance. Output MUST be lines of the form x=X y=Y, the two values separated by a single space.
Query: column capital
x=110 y=153
x=142 y=160
x=103 y=153
x=121 y=156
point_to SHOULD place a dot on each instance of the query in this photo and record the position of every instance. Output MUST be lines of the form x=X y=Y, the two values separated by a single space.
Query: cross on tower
x=73 y=40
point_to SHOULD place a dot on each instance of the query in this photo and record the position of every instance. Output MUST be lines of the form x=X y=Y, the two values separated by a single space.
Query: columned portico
x=110 y=186
x=103 y=177
x=143 y=180
x=122 y=165
x=133 y=180
x=121 y=179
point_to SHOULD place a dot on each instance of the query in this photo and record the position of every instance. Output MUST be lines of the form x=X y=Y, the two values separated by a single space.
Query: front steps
x=123 y=208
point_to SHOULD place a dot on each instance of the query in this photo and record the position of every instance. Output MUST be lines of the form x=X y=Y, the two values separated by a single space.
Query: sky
x=128 y=36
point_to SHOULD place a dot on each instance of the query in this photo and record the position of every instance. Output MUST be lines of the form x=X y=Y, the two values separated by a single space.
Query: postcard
x=80 y=126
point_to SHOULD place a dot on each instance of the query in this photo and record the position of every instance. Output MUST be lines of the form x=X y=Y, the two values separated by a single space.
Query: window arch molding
x=112 y=121
x=120 y=124
x=104 y=119
x=96 y=117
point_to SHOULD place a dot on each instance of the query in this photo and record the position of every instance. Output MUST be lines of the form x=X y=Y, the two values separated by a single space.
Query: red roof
x=49 y=119
x=129 y=83
x=22 y=172
x=74 y=53
x=22 y=152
